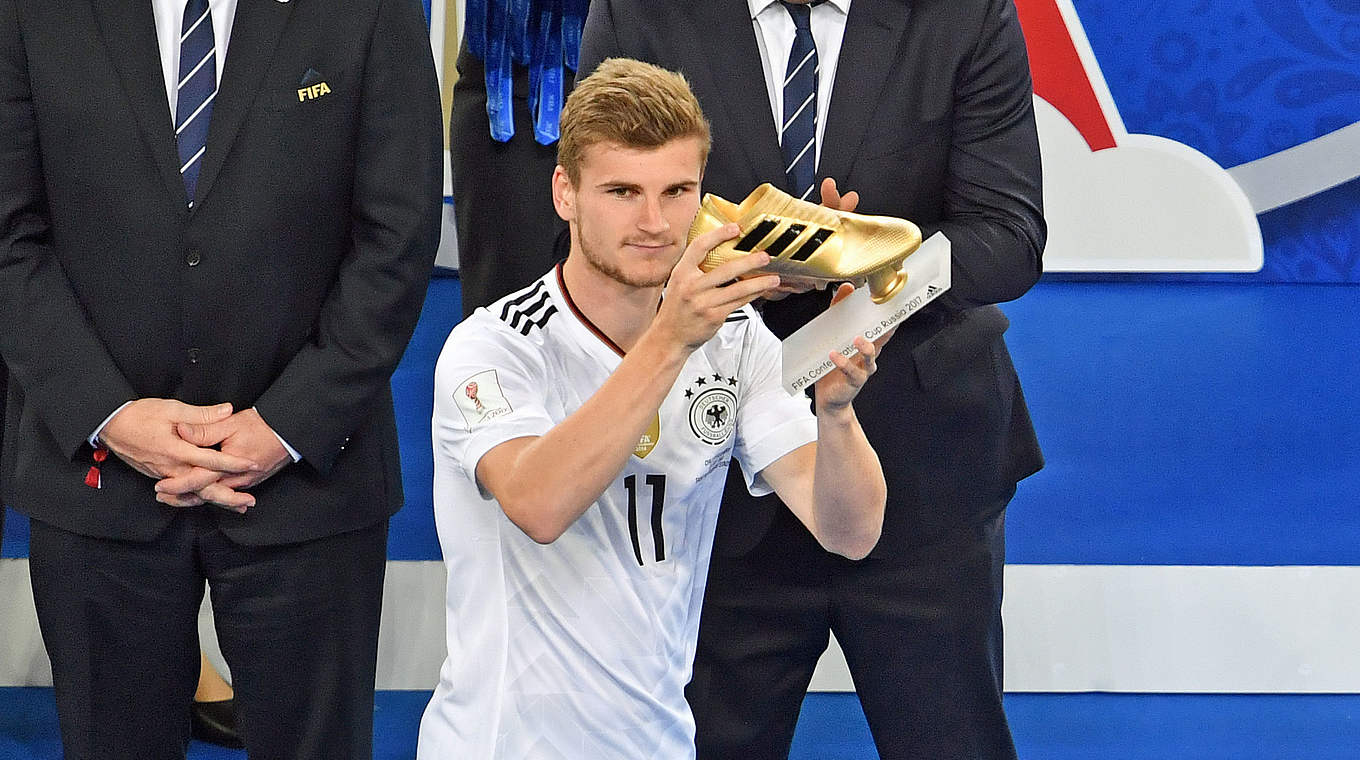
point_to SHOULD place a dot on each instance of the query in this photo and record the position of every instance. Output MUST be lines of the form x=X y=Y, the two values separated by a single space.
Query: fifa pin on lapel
x=313 y=85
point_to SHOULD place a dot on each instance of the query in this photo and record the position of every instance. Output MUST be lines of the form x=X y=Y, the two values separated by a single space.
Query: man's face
x=631 y=209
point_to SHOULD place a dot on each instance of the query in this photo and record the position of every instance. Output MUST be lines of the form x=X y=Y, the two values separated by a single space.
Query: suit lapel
x=254 y=35
x=129 y=31
x=873 y=34
x=738 y=76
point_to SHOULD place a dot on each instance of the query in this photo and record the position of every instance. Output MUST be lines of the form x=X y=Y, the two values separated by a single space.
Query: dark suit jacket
x=292 y=286
x=508 y=233
x=931 y=119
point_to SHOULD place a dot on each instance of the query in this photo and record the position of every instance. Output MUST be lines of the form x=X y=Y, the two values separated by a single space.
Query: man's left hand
x=831 y=198
x=244 y=434
x=836 y=389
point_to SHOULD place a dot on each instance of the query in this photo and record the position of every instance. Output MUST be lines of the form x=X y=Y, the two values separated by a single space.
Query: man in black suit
x=206 y=290
x=924 y=108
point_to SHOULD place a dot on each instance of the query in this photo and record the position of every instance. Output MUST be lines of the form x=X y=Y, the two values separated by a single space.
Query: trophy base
x=924 y=276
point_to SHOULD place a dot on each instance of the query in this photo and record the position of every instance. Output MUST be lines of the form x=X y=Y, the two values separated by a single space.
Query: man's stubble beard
x=609 y=269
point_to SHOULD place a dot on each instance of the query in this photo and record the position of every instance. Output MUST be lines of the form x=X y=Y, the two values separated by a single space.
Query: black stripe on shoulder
x=547 y=315
x=737 y=316
x=527 y=294
x=529 y=312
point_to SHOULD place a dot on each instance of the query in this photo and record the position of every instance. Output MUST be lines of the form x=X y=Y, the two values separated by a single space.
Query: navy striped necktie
x=196 y=90
x=798 y=133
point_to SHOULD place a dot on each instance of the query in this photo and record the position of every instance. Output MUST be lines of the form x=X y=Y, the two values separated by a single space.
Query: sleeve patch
x=481 y=399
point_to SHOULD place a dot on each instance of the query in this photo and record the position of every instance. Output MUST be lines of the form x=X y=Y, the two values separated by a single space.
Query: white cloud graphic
x=1147 y=205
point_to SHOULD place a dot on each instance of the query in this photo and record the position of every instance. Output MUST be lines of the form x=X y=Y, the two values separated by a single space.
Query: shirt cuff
x=94 y=437
x=292 y=452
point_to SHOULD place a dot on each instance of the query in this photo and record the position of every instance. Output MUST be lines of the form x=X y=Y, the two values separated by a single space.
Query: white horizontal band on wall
x=1128 y=628
x=1149 y=628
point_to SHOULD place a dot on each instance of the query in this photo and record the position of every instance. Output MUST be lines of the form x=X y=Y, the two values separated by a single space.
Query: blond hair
x=631 y=104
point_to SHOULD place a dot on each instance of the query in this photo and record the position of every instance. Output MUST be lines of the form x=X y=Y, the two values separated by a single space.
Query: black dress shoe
x=215 y=723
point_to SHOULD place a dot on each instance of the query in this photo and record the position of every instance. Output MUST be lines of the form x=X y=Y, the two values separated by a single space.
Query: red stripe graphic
x=1059 y=76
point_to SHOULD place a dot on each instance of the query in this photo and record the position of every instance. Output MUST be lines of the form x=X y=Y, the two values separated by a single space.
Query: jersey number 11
x=658 y=485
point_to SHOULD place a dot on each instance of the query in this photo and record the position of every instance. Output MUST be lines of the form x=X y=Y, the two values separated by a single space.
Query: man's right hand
x=697 y=302
x=143 y=434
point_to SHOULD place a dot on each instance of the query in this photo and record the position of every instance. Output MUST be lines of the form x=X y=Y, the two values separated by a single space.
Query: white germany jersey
x=581 y=649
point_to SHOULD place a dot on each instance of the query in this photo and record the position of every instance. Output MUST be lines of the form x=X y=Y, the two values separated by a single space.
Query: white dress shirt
x=774 y=37
x=169 y=16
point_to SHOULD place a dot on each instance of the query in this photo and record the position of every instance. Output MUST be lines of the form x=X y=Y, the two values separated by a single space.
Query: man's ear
x=563 y=194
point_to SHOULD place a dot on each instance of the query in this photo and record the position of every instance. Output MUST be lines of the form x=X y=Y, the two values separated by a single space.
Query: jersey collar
x=581 y=318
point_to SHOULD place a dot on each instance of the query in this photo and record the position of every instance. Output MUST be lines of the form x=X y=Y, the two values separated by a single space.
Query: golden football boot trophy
x=809 y=242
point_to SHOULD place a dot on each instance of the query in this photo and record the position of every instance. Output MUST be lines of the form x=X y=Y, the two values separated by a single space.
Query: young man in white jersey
x=582 y=431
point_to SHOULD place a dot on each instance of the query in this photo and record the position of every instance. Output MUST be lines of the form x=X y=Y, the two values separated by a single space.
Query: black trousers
x=921 y=632
x=298 y=625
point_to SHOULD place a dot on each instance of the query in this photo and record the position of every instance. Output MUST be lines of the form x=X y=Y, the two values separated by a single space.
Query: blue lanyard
x=573 y=20
x=545 y=75
x=500 y=95
x=542 y=35
x=521 y=20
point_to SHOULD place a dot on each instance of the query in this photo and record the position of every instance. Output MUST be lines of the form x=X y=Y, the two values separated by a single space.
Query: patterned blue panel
x=1239 y=80
x=1235 y=79
x=1314 y=240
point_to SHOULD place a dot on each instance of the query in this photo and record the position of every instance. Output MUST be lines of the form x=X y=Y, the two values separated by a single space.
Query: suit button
x=193 y=355
x=192 y=258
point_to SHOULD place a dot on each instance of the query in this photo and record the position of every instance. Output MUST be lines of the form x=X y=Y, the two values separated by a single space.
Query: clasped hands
x=196 y=454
